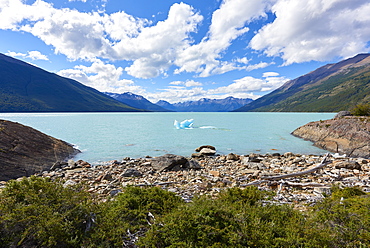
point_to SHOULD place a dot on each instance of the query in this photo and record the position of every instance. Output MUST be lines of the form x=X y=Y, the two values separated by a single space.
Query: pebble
x=218 y=172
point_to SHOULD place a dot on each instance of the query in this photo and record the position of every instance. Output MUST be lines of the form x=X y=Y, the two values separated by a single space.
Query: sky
x=184 y=50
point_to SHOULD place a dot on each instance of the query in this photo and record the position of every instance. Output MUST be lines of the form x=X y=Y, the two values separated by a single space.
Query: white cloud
x=34 y=55
x=188 y=83
x=251 y=84
x=315 y=30
x=228 y=23
x=103 y=77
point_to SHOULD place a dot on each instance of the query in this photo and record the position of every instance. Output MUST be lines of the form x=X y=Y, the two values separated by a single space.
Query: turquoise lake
x=113 y=136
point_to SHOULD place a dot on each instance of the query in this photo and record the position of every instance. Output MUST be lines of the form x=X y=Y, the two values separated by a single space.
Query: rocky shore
x=296 y=179
x=343 y=134
x=25 y=151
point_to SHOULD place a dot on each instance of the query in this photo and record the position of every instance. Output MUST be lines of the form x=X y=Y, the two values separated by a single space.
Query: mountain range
x=136 y=101
x=206 y=105
x=330 y=88
x=26 y=88
x=202 y=105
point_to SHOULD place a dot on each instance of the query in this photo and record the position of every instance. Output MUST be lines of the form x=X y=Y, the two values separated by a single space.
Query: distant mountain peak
x=136 y=101
x=206 y=105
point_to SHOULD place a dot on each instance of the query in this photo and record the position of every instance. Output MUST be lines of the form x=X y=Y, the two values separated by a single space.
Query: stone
x=348 y=165
x=25 y=151
x=232 y=156
x=131 y=173
x=207 y=151
x=193 y=164
x=342 y=113
x=206 y=146
x=169 y=162
x=69 y=183
x=197 y=155
x=215 y=173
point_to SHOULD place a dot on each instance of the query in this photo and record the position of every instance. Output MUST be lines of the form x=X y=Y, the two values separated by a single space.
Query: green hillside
x=330 y=88
x=26 y=88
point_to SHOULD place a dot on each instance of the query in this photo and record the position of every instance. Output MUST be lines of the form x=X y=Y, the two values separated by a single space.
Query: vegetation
x=361 y=110
x=36 y=212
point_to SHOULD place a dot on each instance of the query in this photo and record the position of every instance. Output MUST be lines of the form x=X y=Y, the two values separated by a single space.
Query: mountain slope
x=136 y=101
x=206 y=105
x=330 y=88
x=26 y=88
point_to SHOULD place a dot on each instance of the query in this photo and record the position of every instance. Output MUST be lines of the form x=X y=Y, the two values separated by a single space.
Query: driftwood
x=301 y=173
x=153 y=184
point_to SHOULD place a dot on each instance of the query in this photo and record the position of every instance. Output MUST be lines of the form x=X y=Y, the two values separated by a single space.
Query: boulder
x=131 y=173
x=207 y=151
x=25 y=151
x=346 y=135
x=232 y=156
x=169 y=162
x=342 y=113
x=206 y=146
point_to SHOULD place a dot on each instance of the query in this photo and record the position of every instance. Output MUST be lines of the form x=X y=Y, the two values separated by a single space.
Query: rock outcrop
x=25 y=151
x=348 y=135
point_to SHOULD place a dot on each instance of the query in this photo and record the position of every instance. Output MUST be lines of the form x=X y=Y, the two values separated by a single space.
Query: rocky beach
x=300 y=180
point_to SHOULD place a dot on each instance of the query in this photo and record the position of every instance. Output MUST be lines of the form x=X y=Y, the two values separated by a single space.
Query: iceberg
x=185 y=124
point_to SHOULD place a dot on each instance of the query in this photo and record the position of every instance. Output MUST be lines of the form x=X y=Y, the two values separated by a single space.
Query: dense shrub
x=361 y=110
x=36 y=212
x=236 y=219
x=344 y=218
x=130 y=212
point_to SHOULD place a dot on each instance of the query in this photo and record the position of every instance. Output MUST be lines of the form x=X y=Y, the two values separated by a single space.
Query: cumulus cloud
x=270 y=81
x=315 y=30
x=228 y=23
x=34 y=55
x=103 y=77
x=188 y=83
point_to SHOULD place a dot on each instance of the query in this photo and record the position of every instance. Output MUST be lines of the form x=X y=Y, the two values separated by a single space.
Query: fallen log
x=296 y=174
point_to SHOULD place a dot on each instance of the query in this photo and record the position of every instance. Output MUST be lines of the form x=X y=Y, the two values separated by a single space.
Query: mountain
x=330 y=88
x=206 y=105
x=136 y=101
x=26 y=88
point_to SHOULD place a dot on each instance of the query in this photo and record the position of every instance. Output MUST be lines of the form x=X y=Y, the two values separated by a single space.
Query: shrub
x=361 y=110
x=344 y=217
x=130 y=212
x=37 y=212
x=237 y=218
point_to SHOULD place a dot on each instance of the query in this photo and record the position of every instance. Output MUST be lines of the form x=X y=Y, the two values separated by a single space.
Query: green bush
x=130 y=212
x=361 y=110
x=344 y=218
x=36 y=212
x=237 y=218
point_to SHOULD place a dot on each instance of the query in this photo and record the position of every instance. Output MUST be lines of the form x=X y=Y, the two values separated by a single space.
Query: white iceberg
x=185 y=124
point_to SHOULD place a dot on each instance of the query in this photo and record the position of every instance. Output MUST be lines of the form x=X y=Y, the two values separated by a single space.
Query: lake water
x=114 y=136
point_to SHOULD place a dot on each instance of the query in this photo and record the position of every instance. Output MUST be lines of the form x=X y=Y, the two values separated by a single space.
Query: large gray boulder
x=25 y=151
x=171 y=162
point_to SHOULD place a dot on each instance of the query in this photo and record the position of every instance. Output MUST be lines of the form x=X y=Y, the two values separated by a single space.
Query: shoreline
x=209 y=174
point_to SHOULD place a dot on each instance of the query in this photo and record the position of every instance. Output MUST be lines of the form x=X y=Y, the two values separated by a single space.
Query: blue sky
x=179 y=51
